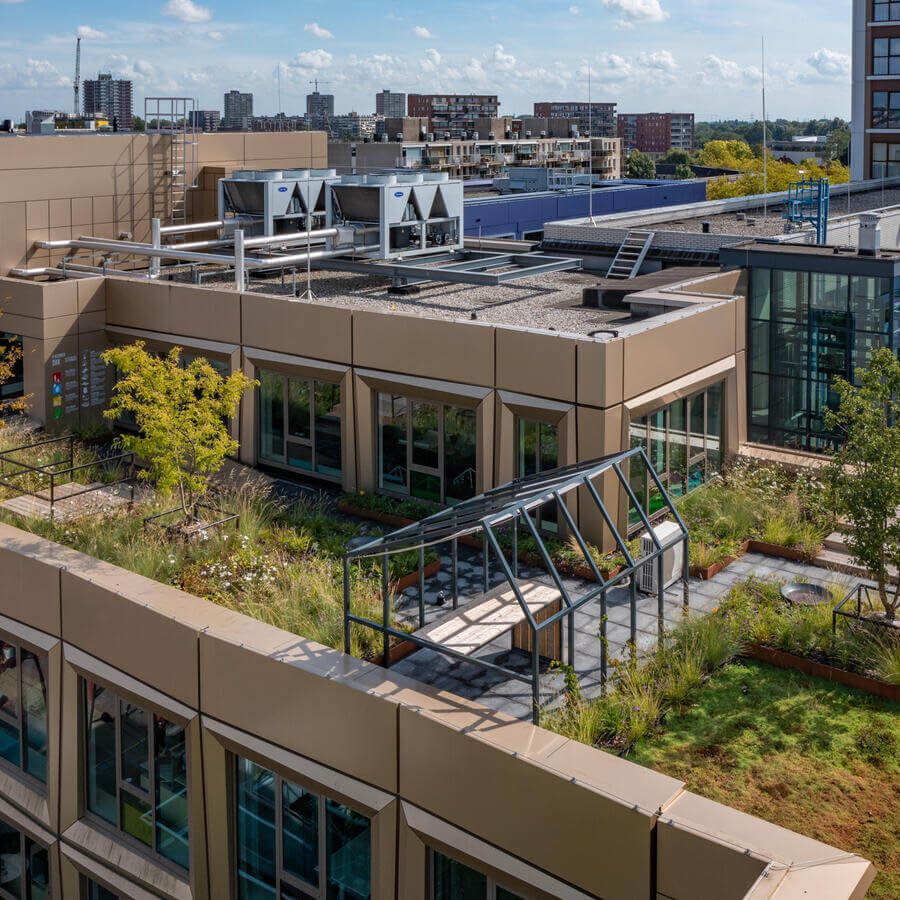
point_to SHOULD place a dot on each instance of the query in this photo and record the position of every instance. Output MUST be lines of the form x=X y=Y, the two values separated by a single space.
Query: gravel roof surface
x=547 y=302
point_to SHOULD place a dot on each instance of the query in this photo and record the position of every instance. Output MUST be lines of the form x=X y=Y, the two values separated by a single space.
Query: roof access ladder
x=631 y=254
x=174 y=117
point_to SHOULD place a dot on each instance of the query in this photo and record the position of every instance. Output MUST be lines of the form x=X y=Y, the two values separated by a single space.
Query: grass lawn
x=820 y=759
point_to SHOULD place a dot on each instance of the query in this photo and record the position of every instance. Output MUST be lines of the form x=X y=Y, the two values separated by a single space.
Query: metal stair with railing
x=628 y=260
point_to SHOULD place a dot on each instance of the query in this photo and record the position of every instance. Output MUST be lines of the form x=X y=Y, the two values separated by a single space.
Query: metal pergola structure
x=512 y=507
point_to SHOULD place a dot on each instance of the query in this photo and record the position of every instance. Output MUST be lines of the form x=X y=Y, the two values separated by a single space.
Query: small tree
x=865 y=471
x=683 y=171
x=640 y=165
x=181 y=412
x=10 y=357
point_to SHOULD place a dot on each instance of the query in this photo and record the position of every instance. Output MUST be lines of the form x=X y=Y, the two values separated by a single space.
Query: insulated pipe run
x=194 y=226
x=239 y=262
x=128 y=248
x=48 y=270
x=265 y=241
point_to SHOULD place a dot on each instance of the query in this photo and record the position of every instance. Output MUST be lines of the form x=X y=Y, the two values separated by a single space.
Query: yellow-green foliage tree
x=738 y=155
x=10 y=357
x=181 y=412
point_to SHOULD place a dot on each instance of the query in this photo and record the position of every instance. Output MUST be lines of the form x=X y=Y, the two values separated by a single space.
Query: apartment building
x=875 y=114
x=453 y=114
x=353 y=125
x=595 y=119
x=390 y=104
x=110 y=97
x=656 y=133
x=205 y=119
x=238 y=111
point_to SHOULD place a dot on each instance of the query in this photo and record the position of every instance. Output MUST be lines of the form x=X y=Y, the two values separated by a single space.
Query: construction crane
x=77 y=83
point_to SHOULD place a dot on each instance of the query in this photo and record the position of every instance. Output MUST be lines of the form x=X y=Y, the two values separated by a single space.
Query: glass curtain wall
x=538 y=451
x=426 y=449
x=136 y=772
x=23 y=710
x=684 y=444
x=24 y=866
x=805 y=330
x=300 y=423
x=451 y=880
x=293 y=844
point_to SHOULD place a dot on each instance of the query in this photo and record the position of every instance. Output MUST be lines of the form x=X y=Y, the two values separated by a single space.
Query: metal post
x=660 y=598
x=603 y=652
x=484 y=564
x=515 y=547
x=454 y=565
x=633 y=589
x=239 y=259
x=686 y=572
x=535 y=680
x=421 y=587
x=386 y=609
x=346 y=599
x=156 y=240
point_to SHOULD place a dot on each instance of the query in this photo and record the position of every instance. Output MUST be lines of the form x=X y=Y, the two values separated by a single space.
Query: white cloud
x=85 y=31
x=422 y=32
x=658 y=59
x=715 y=70
x=312 y=59
x=575 y=10
x=215 y=35
x=316 y=30
x=36 y=73
x=502 y=60
x=187 y=11
x=830 y=65
x=474 y=71
x=632 y=11
x=431 y=61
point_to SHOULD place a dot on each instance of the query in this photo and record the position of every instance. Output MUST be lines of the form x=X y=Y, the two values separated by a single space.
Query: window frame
x=491 y=887
x=25 y=879
x=310 y=442
x=889 y=7
x=19 y=771
x=518 y=424
x=116 y=832
x=322 y=799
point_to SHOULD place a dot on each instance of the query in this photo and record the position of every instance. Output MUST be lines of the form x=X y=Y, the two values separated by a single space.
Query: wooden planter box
x=711 y=571
x=362 y=513
x=410 y=580
x=396 y=653
x=783 y=660
x=756 y=546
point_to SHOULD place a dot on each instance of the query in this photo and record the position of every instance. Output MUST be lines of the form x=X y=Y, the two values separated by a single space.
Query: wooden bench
x=488 y=616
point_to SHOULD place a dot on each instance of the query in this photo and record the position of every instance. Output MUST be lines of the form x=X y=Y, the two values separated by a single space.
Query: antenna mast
x=77 y=82
x=765 y=153
x=590 y=150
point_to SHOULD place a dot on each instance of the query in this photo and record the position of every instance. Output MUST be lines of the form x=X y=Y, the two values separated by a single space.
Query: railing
x=50 y=473
x=862 y=605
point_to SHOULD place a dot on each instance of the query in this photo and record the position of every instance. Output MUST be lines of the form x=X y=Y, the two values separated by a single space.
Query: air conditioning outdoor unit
x=673 y=558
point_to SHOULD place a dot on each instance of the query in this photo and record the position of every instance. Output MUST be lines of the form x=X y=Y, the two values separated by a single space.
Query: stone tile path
x=72 y=501
x=513 y=697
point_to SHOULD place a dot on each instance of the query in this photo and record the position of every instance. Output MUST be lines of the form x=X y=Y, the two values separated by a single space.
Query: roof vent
x=869 y=234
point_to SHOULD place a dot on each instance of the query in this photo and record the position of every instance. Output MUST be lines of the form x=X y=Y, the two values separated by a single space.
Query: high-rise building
x=594 y=119
x=319 y=106
x=205 y=119
x=453 y=114
x=389 y=104
x=656 y=133
x=110 y=96
x=238 y=111
x=875 y=113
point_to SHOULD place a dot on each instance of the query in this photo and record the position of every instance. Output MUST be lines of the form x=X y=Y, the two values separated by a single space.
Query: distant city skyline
x=646 y=55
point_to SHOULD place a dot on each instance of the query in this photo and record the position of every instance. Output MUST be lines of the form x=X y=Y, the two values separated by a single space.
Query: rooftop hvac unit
x=490 y=135
x=528 y=134
x=673 y=558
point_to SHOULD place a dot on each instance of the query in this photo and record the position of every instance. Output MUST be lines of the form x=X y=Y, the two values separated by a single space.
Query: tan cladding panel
x=252 y=685
x=29 y=579
x=39 y=300
x=659 y=355
x=536 y=363
x=72 y=151
x=190 y=311
x=496 y=792
x=600 y=372
x=301 y=329
x=428 y=348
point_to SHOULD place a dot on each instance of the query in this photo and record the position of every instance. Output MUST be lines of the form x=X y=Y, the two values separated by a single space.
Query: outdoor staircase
x=631 y=254
x=835 y=556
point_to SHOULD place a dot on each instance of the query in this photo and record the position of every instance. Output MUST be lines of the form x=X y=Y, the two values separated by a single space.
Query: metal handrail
x=855 y=592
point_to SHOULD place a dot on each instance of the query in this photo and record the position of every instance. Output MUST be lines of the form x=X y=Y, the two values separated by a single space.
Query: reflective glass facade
x=24 y=866
x=451 y=880
x=538 y=451
x=426 y=449
x=136 y=772
x=300 y=423
x=804 y=330
x=293 y=844
x=23 y=710
x=684 y=443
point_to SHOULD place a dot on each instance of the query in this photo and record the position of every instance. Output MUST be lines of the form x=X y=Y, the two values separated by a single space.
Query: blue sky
x=648 y=55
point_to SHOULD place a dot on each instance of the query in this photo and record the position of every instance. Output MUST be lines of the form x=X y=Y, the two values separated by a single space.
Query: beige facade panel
x=302 y=329
x=39 y=300
x=13 y=224
x=538 y=363
x=414 y=345
x=600 y=372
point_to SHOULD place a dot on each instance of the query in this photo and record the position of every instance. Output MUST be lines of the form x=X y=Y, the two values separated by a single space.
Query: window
x=885 y=11
x=885 y=160
x=15 y=387
x=300 y=423
x=24 y=866
x=23 y=709
x=90 y=890
x=293 y=844
x=886 y=109
x=136 y=772
x=684 y=444
x=451 y=880
x=538 y=451
x=426 y=449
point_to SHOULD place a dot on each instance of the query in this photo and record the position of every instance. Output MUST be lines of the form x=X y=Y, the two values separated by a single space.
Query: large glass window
x=23 y=709
x=451 y=880
x=684 y=444
x=426 y=449
x=886 y=56
x=885 y=109
x=24 y=866
x=293 y=844
x=886 y=10
x=90 y=890
x=885 y=160
x=538 y=451
x=820 y=327
x=13 y=388
x=136 y=772
x=300 y=423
